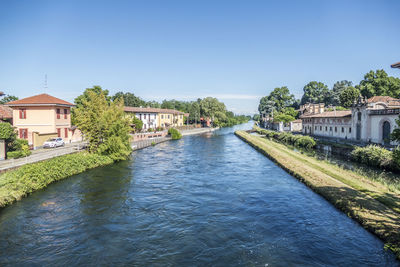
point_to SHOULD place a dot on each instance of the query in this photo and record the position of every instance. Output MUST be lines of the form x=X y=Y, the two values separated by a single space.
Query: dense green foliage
x=175 y=134
x=7 y=98
x=103 y=123
x=337 y=90
x=377 y=83
x=395 y=136
x=17 y=148
x=18 y=183
x=130 y=100
x=315 y=92
x=306 y=142
x=277 y=100
x=377 y=156
x=348 y=96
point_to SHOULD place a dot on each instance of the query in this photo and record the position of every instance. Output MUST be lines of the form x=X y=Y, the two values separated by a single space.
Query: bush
x=18 y=183
x=376 y=156
x=175 y=134
x=289 y=138
x=159 y=129
x=18 y=154
x=150 y=130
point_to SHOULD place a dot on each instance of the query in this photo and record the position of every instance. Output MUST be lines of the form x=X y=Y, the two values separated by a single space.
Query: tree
x=336 y=91
x=194 y=112
x=8 y=98
x=315 y=92
x=266 y=105
x=85 y=97
x=395 y=136
x=281 y=117
x=210 y=107
x=281 y=98
x=348 y=96
x=130 y=100
x=104 y=124
x=378 y=83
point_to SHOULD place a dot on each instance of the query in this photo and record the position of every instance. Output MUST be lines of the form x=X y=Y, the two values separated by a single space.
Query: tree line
x=282 y=104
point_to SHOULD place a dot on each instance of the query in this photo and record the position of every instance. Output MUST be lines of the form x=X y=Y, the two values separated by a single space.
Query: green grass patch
x=18 y=183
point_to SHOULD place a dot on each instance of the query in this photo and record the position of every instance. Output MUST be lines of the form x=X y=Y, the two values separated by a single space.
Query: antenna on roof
x=45 y=83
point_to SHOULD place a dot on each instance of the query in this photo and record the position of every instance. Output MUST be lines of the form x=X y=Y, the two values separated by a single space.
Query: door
x=358 y=132
x=386 y=133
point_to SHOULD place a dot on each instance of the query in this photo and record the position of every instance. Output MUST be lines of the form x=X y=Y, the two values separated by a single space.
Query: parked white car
x=54 y=142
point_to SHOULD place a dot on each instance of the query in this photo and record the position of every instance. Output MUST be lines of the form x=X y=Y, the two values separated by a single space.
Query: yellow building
x=170 y=118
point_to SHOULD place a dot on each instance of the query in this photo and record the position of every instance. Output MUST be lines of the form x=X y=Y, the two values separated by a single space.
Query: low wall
x=145 y=136
x=39 y=139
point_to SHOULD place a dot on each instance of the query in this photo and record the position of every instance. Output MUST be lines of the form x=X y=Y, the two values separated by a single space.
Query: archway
x=386 y=133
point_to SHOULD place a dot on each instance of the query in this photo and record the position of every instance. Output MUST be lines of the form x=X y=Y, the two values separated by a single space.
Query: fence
x=149 y=142
x=36 y=157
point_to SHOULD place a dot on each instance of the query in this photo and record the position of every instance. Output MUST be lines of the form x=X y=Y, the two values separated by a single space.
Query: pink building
x=41 y=116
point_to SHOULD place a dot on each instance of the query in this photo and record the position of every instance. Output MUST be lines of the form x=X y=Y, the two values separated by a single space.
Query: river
x=207 y=200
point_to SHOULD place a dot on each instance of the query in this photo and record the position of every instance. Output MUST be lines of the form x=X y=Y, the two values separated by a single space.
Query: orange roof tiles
x=5 y=112
x=152 y=110
x=329 y=114
x=42 y=99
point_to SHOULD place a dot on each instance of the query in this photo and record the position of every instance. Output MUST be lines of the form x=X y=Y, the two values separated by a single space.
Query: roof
x=1 y=93
x=329 y=114
x=392 y=102
x=297 y=121
x=152 y=110
x=5 y=112
x=38 y=100
x=396 y=65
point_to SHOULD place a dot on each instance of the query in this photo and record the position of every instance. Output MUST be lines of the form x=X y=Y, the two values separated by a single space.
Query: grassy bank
x=18 y=183
x=375 y=206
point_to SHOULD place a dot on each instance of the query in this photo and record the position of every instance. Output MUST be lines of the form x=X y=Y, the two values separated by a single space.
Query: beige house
x=40 y=117
x=157 y=117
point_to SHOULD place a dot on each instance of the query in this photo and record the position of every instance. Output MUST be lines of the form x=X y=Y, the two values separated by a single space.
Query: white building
x=149 y=116
x=369 y=121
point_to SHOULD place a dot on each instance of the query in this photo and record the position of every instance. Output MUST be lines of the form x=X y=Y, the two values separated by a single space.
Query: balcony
x=391 y=111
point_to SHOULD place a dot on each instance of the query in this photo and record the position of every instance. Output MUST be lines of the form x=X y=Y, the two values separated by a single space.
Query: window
x=335 y=129
x=315 y=128
x=162 y=116
x=144 y=116
x=59 y=132
x=23 y=133
x=168 y=116
x=58 y=115
x=342 y=129
x=22 y=113
x=349 y=129
x=326 y=128
x=65 y=113
x=66 y=132
x=330 y=128
x=320 y=128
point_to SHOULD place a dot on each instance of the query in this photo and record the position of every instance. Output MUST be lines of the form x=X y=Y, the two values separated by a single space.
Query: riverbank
x=198 y=131
x=16 y=184
x=370 y=203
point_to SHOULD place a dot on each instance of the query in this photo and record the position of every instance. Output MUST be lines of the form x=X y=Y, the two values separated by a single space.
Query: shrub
x=175 y=134
x=159 y=129
x=377 y=156
x=150 y=130
x=289 y=138
x=18 y=183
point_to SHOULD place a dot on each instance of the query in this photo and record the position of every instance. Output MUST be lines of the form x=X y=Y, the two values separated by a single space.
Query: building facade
x=369 y=121
x=157 y=117
x=42 y=114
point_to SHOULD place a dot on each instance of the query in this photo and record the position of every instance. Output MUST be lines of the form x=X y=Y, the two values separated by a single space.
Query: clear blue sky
x=237 y=51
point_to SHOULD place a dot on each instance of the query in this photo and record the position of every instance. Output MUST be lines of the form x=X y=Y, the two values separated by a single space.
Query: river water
x=207 y=200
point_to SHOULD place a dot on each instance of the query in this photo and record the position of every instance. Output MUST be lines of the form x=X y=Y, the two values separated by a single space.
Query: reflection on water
x=202 y=200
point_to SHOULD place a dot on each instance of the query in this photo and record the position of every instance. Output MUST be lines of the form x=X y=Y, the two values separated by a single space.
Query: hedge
x=289 y=138
x=18 y=183
x=378 y=157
